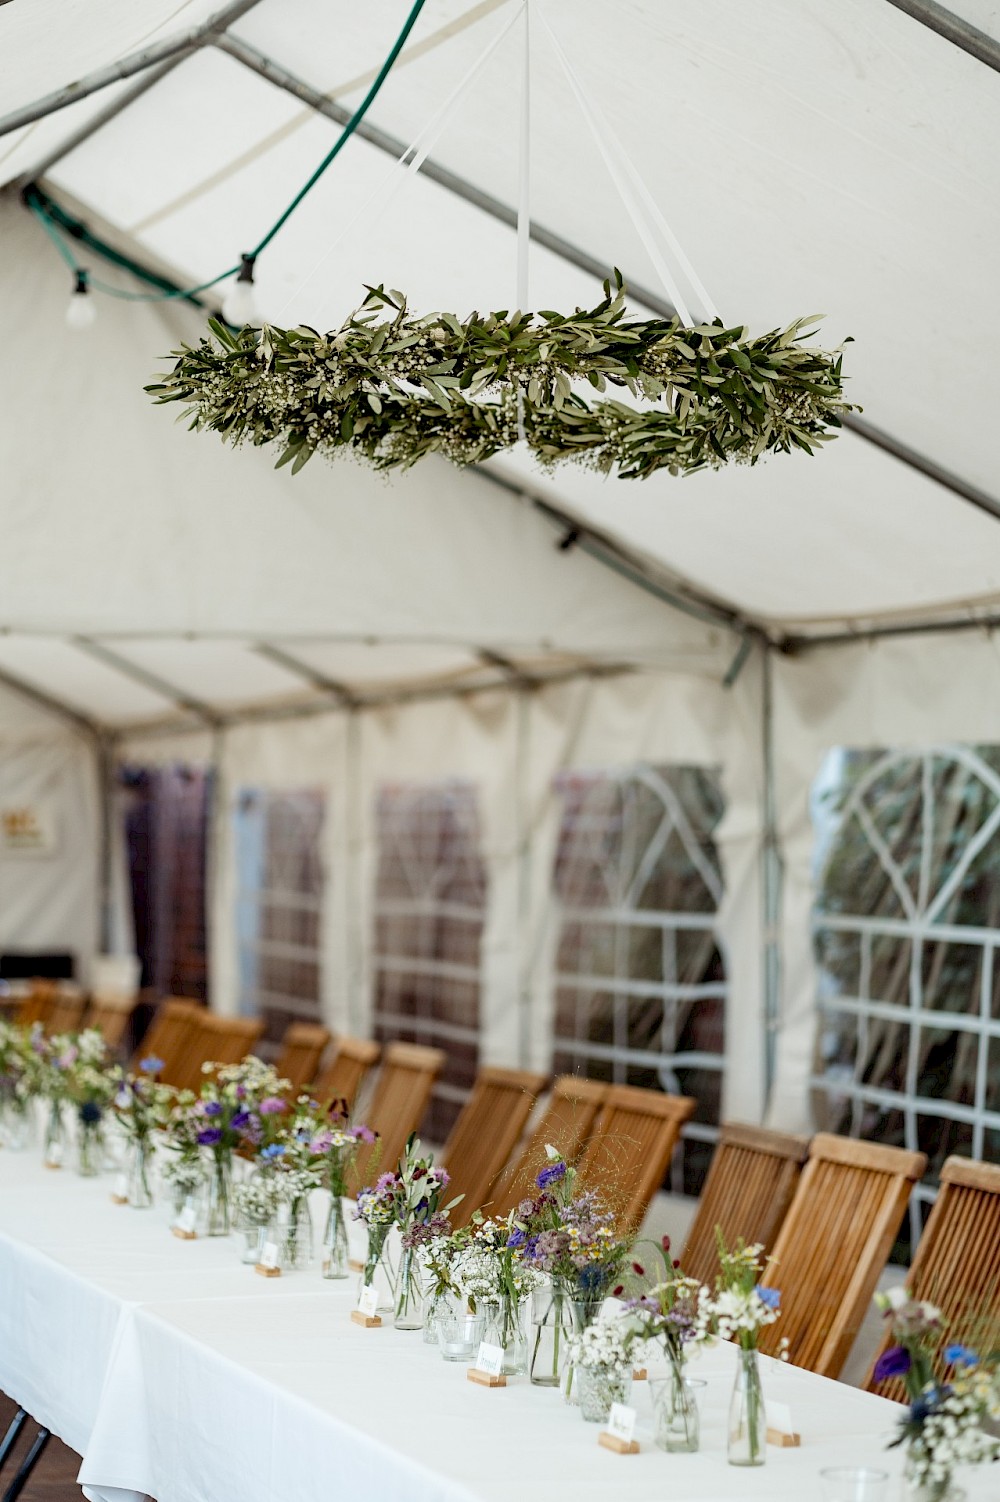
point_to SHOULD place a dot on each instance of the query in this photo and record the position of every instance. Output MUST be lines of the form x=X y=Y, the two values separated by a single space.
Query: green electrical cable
x=44 y=212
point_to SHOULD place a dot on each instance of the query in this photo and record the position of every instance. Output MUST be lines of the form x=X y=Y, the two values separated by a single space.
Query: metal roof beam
x=292 y=664
x=172 y=48
x=954 y=29
x=57 y=707
x=129 y=669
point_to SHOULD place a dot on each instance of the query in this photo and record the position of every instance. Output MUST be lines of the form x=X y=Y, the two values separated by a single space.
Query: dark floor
x=54 y=1477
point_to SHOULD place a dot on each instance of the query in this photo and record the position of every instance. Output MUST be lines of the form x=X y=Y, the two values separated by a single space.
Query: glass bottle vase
x=409 y=1311
x=582 y=1312
x=89 y=1148
x=54 y=1151
x=292 y=1233
x=505 y=1327
x=378 y=1269
x=549 y=1334
x=16 y=1122
x=219 y=1196
x=598 y=1388
x=676 y=1425
x=747 y=1432
x=140 y=1176
x=336 y=1252
x=437 y=1307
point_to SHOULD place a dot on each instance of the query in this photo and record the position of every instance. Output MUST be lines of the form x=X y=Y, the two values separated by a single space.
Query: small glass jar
x=54 y=1150
x=89 y=1147
x=336 y=1252
x=676 y=1425
x=460 y=1334
x=139 y=1174
x=409 y=1311
x=254 y=1237
x=505 y=1327
x=599 y=1387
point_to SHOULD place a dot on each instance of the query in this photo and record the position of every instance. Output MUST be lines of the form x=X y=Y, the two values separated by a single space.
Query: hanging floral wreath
x=392 y=390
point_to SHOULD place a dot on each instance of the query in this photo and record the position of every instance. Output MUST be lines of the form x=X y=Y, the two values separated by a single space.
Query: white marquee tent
x=163 y=598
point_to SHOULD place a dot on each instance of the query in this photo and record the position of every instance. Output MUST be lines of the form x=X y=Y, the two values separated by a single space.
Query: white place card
x=490 y=1359
x=621 y=1423
x=779 y=1417
x=120 y=1190
x=368 y=1299
x=188 y=1218
x=269 y=1256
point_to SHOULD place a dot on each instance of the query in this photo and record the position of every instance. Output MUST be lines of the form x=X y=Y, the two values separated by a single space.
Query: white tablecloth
x=181 y=1374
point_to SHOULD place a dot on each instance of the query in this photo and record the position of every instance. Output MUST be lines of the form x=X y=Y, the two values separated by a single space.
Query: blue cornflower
x=90 y=1113
x=957 y=1355
x=274 y=1151
x=769 y=1296
x=151 y=1065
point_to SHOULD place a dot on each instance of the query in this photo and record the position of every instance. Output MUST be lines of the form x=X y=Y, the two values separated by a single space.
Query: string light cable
x=238 y=306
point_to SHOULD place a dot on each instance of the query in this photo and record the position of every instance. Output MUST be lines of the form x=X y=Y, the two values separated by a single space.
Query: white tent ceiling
x=811 y=158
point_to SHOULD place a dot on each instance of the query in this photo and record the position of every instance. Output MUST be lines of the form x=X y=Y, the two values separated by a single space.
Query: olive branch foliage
x=391 y=388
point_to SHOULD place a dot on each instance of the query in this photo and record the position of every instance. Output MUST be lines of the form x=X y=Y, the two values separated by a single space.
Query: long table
x=179 y=1374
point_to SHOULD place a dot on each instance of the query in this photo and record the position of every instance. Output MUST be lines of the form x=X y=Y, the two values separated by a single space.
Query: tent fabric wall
x=50 y=901
x=511 y=744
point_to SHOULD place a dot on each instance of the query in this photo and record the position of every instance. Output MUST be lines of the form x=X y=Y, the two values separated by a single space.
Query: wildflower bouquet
x=568 y=1234
x=740 y=1306
x=143 y=1103
x=666 y=1314
x=486 y=1269
x=334 y=1145
x=944 y=1425
x=20 y=1079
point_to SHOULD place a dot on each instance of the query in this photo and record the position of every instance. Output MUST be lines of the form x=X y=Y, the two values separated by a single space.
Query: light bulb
x=80 y=311
x=239 y=306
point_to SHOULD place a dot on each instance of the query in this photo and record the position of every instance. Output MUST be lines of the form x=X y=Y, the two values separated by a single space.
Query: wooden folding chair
x=957 y=1263
x=65 y=1014
x=38 y=1004
x=302 y=1048
x=565 y=1124
x=341 y=1079
x=628 y=1155
x=110 y=1016
x=169 y=1035
x=833 y=1246
x=401 y=1097
x=216 y=1040
x=747 y=1193
x=485 y=1134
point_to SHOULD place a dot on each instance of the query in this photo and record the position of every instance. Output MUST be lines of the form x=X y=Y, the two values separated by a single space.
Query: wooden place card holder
x=485 y=1379
x=616 y=1445
x=119 y=1199
x=782 y=1440
x=266 y=1271
x=182 y=1234
x=366 y=1321
x=355 y=1266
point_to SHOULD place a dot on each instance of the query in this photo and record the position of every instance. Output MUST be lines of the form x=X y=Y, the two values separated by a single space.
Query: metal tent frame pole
x=954 y=29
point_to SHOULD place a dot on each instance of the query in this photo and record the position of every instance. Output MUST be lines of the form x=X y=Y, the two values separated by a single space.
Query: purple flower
x=212 y=1108
x=151 y=1065
x=210 y=1136
x=240 y=1120
x=442 y=1175
x=516 y=1238
x=770 y=1297
x=551 y=1174
x=241 y=1091
x=957 y=1355
x=895 y=1362
x=273 y=1105
x=363 y=1134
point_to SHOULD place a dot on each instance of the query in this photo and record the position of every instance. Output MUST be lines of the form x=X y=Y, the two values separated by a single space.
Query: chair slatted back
x=65 y=1015
x=565 y=1123
x=302 y=1048
x=747 y=1193
x=401 y=1097
x=110 y=1016
x=217 y=1040
x=343 y=1076
x=38 y=1004
x=833 y=1245
x=957 y=1262
x=168 y=1036
x=486 y=1133
x=631 y=1147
